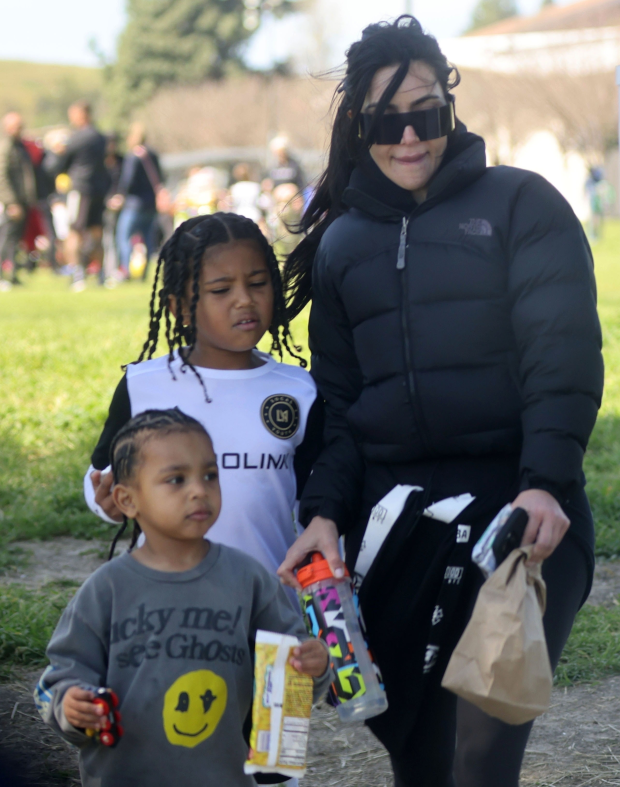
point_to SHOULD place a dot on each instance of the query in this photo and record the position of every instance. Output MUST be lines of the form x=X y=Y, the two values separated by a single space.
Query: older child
x=220 y=291
x=168 y=626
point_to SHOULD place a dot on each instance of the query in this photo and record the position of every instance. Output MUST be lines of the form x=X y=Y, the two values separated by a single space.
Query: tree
x=546 y=3
x=180 y=41
x=487 y=12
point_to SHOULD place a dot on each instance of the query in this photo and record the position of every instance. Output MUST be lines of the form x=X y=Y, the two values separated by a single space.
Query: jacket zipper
x=400 y=265
x=402 y=246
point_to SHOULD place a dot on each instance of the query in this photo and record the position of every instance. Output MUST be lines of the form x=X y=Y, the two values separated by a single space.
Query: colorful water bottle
x=331 y=614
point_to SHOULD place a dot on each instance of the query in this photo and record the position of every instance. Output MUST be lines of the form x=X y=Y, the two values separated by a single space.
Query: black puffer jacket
x=462 y=326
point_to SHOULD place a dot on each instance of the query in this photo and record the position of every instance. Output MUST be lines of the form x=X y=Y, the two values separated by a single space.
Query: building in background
x=576 y=39
x=541 y=90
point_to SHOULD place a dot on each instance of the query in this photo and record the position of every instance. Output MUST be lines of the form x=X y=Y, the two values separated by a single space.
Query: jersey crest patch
x=280 y=414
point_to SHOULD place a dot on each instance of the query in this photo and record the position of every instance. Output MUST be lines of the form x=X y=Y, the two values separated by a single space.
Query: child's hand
x=102 y=484
x=79 y=709
x=310 y=658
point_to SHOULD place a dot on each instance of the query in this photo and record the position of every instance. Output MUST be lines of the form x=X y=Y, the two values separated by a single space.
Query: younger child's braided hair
x=128 y=442
x=181 y=260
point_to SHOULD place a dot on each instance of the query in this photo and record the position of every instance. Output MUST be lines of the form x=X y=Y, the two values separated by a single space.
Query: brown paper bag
x=501 y=663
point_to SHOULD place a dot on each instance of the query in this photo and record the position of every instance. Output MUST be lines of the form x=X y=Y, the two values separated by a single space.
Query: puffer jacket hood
x=462 y=326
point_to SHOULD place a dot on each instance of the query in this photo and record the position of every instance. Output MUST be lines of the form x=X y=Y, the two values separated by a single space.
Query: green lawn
x=60 y=356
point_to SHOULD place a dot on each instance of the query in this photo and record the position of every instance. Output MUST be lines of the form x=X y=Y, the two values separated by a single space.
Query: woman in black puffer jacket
x=455 y=340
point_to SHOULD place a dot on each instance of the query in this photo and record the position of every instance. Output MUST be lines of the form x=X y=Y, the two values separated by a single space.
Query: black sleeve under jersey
x=311 y=446
x=118 y=415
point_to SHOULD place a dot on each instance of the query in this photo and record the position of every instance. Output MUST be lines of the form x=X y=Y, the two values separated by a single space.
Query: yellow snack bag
x=281 y=709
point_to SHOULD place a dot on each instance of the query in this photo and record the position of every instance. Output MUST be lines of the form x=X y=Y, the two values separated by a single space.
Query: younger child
x=169 y=626
x=218 y=291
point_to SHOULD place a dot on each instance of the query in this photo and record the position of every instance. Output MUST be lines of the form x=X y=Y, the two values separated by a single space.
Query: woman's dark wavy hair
x=179 y=264
x=128 y=442
x=383 y=44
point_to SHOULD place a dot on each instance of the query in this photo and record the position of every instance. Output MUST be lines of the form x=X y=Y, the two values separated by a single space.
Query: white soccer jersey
x=257 y=419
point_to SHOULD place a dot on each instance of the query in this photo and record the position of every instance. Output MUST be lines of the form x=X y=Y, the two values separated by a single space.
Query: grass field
x=603 y=456
x=60 y=356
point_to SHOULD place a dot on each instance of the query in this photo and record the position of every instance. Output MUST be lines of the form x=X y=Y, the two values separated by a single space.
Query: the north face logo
x=477 y=227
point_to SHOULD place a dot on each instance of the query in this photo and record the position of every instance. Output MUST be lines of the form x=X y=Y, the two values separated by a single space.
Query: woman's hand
x=102 y=484
x=79 y=710
x=310 y=658
x=547 y=524
x=321 y=535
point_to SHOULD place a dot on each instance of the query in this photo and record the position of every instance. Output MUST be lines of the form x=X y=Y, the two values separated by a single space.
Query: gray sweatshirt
x=177 y=649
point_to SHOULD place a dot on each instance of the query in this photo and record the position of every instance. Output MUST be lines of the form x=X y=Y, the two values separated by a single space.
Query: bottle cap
x=317 y=569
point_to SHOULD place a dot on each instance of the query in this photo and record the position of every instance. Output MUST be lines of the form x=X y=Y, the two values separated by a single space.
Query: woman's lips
x=411 y=158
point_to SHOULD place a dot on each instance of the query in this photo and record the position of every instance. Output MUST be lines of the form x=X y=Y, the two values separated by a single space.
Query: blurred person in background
x=138 y=189
x=601 y=198
x=244 y=193
x=223 y=201
x=266 y=205
x=286 y=168
x=39 y=237
x=200 y=192
x=83 y=159
x=113 y=164
x=55 y=142
x=17 y=194
x=289 y=207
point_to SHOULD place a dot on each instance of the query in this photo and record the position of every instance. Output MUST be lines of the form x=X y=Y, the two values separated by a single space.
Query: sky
x=59 y=31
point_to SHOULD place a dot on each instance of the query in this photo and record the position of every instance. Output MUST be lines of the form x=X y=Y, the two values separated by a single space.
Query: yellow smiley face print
x=193 y=707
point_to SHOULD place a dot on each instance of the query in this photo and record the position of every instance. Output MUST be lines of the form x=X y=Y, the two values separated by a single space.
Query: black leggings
x=454 y=743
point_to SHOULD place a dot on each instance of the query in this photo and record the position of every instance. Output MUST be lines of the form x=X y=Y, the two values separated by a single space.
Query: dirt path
x=63 y=558
x=577 y=743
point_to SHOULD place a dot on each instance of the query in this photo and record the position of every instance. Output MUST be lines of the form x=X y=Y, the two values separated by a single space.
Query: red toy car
x=111 y=731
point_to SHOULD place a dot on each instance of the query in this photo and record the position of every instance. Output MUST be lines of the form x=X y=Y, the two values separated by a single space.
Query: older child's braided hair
x=129 y=440
x=181 y=259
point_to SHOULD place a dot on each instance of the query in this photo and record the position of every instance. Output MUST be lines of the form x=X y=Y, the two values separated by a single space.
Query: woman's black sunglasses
x=427 y=124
